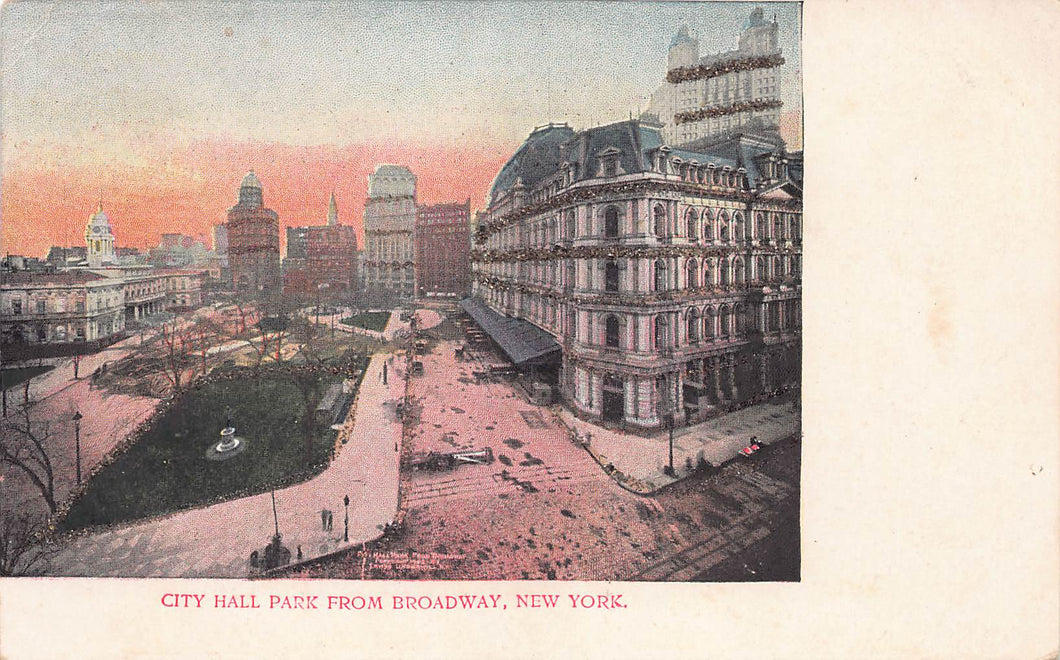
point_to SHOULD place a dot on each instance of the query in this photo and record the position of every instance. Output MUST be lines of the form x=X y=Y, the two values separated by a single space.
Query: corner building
x=254 y=242
x=443 y=244
x=669 y=279
x=389 y=236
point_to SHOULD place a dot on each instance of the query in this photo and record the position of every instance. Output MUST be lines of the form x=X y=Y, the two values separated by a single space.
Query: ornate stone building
x=669 y=279
x=389 y=268
x=722 y=93
x=443 y=244
x=254 y=242
x=58 y=308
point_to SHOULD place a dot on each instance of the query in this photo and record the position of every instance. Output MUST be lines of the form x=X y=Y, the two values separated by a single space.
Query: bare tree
x=24 y=445
x=22 y=543
x=174 y=355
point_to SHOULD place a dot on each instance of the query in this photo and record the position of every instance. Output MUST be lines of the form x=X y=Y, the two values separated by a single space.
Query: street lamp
x=346 y=507
x=77 y=442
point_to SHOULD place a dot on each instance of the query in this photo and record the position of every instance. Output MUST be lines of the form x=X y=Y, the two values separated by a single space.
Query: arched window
x=740 y=314
x=708 y=323
x=692 y=273
x=778 y=271
x=793 y=227
x=611 y=222
x=708 y=226
x=611 y=276
x=726 y=273
x=661 y=333
x=572 y=223
x=723 y=227
x=611 y=328
x=737 y=227
x=760 y=269
x=660 y=275
x=692 y=323
x=692 y=224
x=708 y=272
x=726 y=320
x=760 y=226
x=778 y=228
x=738 y=270
x=660 y=220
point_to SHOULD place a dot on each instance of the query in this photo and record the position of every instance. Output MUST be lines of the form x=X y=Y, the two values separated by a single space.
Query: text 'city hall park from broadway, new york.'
x=522 y=307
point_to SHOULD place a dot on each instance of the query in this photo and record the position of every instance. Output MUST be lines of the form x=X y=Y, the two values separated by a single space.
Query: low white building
x=62 y=307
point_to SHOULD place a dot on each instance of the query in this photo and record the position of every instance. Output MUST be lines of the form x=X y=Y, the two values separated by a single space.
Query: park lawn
x=369 y=320
x=167 y=469
x=18 y=375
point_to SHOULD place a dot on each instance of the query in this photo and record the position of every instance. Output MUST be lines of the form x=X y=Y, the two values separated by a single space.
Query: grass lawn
x=369 y=320
x=19 y=375
x=167 y=468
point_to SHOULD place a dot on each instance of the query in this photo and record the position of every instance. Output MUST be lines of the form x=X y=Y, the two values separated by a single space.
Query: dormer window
x=610 y=164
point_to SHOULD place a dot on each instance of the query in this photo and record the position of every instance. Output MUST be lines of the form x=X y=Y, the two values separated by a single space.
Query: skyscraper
x=254 y=242
x=389 y=225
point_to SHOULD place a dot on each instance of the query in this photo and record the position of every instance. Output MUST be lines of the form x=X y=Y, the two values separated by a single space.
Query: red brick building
x=330 y=259
x=443 y=246
x=254 y=242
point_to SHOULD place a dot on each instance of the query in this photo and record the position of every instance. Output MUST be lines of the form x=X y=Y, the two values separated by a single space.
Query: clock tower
x=99 y=239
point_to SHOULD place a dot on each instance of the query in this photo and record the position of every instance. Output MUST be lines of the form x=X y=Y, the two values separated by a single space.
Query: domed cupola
x=99 y=239
x=250 y=191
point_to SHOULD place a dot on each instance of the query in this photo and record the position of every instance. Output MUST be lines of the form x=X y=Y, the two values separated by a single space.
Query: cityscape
x=543 y=329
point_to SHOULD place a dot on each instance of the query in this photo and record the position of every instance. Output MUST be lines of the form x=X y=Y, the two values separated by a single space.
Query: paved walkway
x=216 y=541
x=716 y=440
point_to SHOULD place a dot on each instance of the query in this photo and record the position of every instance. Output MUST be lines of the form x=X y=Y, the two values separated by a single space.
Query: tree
x=22 y=545
x=174 y=355
x=24 y=445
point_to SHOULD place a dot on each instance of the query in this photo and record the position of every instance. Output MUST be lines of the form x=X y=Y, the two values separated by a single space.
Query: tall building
x=323 y=260
x=715 y=95
x=654 y=284
x=99 y=240
x=389 y=235
x=254 y=242
x=443 y=246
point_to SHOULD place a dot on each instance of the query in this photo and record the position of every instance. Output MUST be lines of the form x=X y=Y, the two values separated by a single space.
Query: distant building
x=389 y=226
x=183 y=288
x=297 y=242
x=60 y=257
x=99 y=240
x=254 y=242
x=715 y=95
x=179 y=251
x=61 y=307
x=218 y=266
x=328 y=268
x=443 y=246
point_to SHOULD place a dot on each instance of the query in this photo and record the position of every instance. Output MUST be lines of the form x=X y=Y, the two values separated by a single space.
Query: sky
x=160 y=108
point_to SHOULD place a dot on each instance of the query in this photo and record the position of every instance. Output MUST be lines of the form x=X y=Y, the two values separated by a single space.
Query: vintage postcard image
x=415 y=291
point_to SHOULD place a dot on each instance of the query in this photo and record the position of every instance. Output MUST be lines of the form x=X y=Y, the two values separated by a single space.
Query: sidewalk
x=716 y=440
x=216 y=541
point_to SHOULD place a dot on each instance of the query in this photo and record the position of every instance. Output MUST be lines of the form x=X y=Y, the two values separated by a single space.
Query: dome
x=99 y=218
x=250 y=181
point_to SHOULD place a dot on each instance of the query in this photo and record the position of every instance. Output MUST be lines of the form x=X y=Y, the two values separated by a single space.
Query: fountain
x=230 y=445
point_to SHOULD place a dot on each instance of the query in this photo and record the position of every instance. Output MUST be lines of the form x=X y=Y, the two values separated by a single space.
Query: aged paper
x=930 y=397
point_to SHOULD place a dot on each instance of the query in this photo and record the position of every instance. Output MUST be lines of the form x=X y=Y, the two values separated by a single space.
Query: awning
x=521 y=341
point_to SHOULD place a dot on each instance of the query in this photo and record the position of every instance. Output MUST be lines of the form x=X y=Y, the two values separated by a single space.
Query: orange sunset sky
x=160 y=108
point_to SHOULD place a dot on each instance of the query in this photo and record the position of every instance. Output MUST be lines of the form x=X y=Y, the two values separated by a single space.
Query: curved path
x=216 y=541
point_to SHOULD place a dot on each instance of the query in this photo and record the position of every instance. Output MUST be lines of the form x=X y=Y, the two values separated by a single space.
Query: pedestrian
x=299 y=553
x=384 y=373
x=331 y=519
x=324 y=519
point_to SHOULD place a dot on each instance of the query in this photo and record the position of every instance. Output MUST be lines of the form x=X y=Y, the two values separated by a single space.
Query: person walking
x=324 y=520
x=331 y=519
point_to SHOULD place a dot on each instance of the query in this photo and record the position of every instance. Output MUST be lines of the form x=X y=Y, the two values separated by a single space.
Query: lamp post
x=668 y=418
x=77 y=443
x=275 y=518
x=346 y=525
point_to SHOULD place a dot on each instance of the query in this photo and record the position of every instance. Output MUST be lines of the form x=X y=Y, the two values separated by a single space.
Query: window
x=660 y=220
x=660 y=275
x=610 y=167
x=708 y=323
x=692 y=273
x=692 y=223
x=42 y=307
x=661 y=331
x=16 y=306
x=692 y=324
x=611 y=276
x=611 y=328
x=611 y=222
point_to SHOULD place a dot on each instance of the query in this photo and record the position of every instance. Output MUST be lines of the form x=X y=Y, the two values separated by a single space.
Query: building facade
x=389 y=235
x=321 y=260
x=61 y=307
x=443 y=247
x=716 y=95
x=670 y=279
x=254 y=242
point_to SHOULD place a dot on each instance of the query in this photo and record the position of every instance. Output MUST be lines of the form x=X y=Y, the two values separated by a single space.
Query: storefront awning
x=522 y=341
